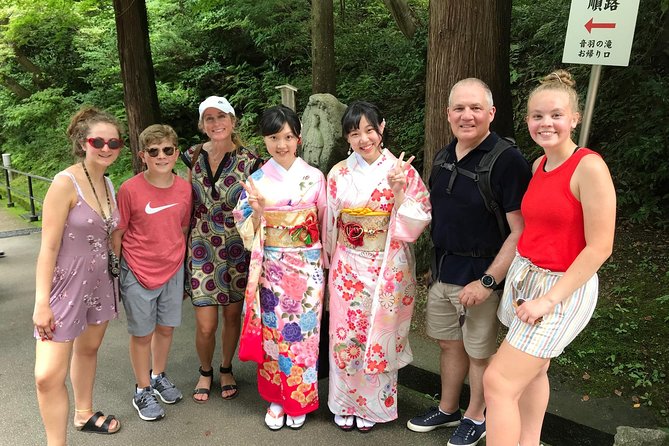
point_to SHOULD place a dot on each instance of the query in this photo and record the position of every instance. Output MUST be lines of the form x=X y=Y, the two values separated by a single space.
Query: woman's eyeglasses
x=99 y=143
x=154 y=151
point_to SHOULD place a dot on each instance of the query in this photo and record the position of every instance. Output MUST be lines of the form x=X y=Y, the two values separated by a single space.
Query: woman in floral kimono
x=278 y=218
x=377 y=206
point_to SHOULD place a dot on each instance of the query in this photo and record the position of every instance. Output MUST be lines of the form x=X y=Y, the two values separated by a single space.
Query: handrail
x=8 y=187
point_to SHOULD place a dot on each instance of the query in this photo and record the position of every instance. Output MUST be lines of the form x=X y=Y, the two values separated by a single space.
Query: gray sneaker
x=165 y=389
x=148 y=407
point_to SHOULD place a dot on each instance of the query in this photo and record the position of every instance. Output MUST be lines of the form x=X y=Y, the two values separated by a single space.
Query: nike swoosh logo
x=149 y=210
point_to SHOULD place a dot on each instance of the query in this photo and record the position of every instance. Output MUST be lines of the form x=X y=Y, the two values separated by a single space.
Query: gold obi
x=363 y=229
x=291 y=229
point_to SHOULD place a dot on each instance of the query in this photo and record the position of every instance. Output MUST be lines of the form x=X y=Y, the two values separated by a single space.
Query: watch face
x=488 y=281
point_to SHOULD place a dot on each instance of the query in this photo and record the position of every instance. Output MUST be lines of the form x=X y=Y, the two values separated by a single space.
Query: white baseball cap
x=217 y=102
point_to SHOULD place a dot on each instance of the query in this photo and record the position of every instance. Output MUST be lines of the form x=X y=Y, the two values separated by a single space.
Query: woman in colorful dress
x=218 y=264
x=278 y=217
x=377 y=206
x=551 y=288
x=76 y=294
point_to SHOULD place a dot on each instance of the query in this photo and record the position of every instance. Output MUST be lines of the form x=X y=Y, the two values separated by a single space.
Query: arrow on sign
x=590 y=25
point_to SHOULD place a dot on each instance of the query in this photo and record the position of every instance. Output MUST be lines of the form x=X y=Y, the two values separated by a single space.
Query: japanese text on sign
x=600 y=32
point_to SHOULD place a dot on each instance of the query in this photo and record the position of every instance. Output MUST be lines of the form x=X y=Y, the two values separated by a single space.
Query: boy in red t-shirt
x=155 y=208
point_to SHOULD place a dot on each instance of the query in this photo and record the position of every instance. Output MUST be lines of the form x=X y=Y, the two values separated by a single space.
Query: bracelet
x=83 y=410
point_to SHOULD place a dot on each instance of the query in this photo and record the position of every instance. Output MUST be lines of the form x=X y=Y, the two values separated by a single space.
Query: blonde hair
x=156 y=133
x=81 y=123
x=559 y=80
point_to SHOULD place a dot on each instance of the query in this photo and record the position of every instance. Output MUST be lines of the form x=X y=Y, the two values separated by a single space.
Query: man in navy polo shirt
x=471 y=258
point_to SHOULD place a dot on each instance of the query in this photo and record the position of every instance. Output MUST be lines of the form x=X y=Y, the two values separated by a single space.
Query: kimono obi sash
x=291 y=229
x=363 y=229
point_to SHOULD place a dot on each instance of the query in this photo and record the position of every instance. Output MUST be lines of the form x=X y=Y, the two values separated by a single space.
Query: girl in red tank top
x=551 y=287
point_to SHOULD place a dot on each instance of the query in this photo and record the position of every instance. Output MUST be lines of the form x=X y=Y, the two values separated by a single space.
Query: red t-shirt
x=154 y=244
x=554 y=233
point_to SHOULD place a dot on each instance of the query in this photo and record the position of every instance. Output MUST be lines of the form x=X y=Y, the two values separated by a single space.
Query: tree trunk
x=322 y=47
x=466 y=39
x=139 y=85
x=10 y=84
x=401 y=12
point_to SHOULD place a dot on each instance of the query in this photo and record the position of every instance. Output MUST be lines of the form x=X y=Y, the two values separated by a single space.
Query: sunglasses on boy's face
x=154 y=151
x=99 y=143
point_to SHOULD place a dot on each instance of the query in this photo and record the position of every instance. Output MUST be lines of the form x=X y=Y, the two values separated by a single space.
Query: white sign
x=600 y=32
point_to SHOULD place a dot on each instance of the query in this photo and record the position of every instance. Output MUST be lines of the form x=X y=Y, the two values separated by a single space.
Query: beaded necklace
x=114 y=268
x=105 y=219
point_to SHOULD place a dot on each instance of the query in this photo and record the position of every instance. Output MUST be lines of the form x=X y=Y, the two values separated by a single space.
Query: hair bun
x=559 y=76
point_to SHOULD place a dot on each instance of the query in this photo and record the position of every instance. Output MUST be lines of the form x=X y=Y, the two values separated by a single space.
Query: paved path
x=237 y=422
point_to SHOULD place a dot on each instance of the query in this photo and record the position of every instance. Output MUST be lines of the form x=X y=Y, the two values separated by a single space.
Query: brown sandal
x=204 y=390
x=228 y=387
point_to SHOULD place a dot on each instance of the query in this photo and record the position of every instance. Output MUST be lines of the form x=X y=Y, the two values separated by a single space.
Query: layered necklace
x=107 y=220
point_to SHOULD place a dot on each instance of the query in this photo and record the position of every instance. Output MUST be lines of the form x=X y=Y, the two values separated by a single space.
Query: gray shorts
x=479 y=329
x=146 y=308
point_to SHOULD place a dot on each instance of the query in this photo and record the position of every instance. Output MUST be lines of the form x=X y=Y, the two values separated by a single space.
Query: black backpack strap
x=484 y=172
x=437 y=165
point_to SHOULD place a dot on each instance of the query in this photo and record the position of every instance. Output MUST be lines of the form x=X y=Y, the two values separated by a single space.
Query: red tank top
x=554 y=233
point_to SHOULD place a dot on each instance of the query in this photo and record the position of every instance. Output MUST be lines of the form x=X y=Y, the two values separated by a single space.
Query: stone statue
x=322 y=142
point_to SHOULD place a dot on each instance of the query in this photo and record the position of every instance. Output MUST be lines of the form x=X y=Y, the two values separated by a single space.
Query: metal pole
x=10 y=204
x=33 y=215
x=595 y=73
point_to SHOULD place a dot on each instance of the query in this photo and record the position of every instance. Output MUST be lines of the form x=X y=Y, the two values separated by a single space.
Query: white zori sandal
x=275 y=417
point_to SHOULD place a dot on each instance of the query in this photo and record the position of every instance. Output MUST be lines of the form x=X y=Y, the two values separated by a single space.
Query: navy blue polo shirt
x=460 y=221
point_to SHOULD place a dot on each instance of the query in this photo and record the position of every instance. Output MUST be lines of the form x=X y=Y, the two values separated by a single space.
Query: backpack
x=481 y=176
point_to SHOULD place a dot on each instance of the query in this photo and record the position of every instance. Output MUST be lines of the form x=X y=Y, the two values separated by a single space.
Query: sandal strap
x=207 y=373
x=90 y=424
x=274 y=415
x=226 y=370
x=107 y=423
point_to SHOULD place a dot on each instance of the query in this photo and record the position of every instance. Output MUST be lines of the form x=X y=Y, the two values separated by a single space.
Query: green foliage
x=37 y=126
x=623 y=347
x=385 y=68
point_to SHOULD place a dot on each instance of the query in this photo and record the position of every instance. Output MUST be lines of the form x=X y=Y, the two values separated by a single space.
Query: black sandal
x=228 y=387
x=204 y=390
x=90 y=425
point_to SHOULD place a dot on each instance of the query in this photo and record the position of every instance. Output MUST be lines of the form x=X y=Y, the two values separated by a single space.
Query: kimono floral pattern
x=371 y=292
x=286 y=286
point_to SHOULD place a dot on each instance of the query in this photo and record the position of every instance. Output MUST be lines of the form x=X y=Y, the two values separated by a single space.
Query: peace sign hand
x=255 y=198
x=397 y=176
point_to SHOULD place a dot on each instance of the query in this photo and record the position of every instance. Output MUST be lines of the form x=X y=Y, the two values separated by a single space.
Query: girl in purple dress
x=76 y=294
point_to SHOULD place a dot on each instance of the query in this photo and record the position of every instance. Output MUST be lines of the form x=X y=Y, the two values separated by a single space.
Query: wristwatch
x=488 y=281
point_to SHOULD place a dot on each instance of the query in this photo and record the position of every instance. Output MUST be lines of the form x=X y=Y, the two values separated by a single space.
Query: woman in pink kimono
x=377 y=206
x=278 y=218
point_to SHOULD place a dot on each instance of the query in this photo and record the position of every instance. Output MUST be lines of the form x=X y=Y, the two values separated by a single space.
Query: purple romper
x=82 y=291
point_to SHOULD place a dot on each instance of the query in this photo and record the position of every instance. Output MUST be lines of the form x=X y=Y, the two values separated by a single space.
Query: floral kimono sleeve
x=414 y=214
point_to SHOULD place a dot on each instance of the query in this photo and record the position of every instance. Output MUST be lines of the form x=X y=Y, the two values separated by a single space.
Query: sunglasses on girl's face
x=154 y=151
x=99 y=143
